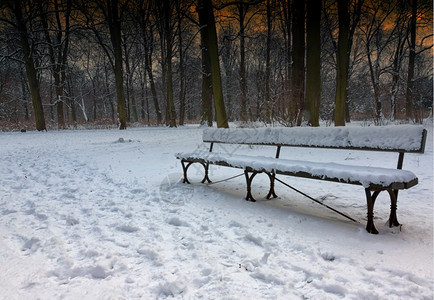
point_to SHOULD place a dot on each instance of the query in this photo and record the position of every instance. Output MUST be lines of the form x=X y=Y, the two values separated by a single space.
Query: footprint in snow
x=335 y=289
x=267 y=278
x=235 y=224
x=8 y=212
x=31 y=244
x=327 y=256
x=150 y=255
x=127 y=228
x=175 y=221
x=258 y=241
x=96 y=272
x=70 y=221
x=138 y=191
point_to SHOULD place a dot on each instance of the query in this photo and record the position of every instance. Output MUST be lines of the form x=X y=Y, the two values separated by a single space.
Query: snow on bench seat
x=405 y=138
x=366 y=176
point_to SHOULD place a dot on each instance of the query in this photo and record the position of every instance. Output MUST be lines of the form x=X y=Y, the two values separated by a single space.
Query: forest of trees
x=172 y=62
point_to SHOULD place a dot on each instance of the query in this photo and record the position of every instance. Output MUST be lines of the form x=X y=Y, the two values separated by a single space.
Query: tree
x=143 y=16
x=287 y=35
x=401 y=33
x=114 y=22
x=207 y=88
x=421 y=14
x=164 y=11
x=267 y=63
x=242 y=10
x=298 y=57
x=313 y=62
x=283 y=110
x=110 y=12
x=378 y=13
x=348 y=21
x=20 y=23
x=243 y=18
x=229 y=60
x=130 y=66
x=342 y=63
x=411 y=58
x=58 y=46
x=207 y=25
x=168 y=36
x=179 y=14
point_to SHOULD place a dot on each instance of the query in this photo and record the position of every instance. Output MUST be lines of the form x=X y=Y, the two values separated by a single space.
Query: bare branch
x=253 y=2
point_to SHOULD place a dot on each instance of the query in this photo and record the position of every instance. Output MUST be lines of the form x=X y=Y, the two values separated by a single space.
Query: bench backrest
x=399 y=138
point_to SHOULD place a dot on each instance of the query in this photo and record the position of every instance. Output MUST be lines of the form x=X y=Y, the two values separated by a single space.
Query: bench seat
x=394 y=139
x=368 y=177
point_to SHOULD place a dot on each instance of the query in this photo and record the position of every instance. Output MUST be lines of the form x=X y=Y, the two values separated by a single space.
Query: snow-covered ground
x=101 y=214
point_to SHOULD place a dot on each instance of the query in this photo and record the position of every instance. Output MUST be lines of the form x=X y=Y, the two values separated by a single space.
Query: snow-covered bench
x=400 y=139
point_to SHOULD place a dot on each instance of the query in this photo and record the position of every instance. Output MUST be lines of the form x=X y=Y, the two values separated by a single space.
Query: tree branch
x=253 y=2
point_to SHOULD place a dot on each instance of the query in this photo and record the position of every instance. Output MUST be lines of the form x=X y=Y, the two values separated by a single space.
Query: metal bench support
x=206 y=177
x=249 y=179
x=271 y=192
x=370 y=200
x=186 y=164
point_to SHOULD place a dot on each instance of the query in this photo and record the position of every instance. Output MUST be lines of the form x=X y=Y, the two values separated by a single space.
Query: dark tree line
x=170 y=62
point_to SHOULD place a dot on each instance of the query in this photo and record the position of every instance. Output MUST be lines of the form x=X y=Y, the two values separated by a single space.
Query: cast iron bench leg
x=189 y=163
x=393 y=220
x=185 y=168
x=249 y=180
x=206 y=178
x=271 y=193
x=370 y=199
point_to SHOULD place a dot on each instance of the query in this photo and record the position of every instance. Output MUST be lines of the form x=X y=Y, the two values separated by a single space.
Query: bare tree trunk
x=396 y=69
x=127 y=83
x=207 y=22
x=52 y=104
x=228 y=60
x=375 y=78
x=114 y=22
x=31 y=72
x=267 y=64
x=342 y=63
x=148 y=44
x=287 y=16
x=242 y=11
x=181 y=67
x=411 y=59
x=131 y=100
x=24 y=95
x=148 y=67
x=207 y=92
x=285 y=106
x=169 y=53
x=144 y=111
x=313 y=74
x=343 y=51
x=298 y=56
x=94 y=105
x=72 y=102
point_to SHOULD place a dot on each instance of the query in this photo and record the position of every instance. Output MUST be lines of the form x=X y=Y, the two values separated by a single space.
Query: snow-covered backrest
x=401 y=138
